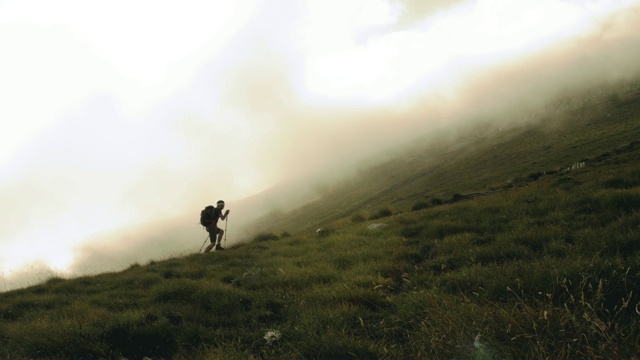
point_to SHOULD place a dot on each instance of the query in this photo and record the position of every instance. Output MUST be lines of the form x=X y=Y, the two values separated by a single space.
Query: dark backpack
x=206 y=215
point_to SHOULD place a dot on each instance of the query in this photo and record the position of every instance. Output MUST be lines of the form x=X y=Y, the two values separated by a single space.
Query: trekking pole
x=205 y=241
x=226 y=221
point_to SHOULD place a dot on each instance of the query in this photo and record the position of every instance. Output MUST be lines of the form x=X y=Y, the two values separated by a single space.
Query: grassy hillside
x=485 y=247
x=483 y=155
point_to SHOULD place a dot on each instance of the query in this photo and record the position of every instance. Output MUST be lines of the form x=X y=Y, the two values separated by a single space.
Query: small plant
x=271 y=336
x=381 y=214
x=265 y=237
x=419 y=206
x=456 y=197
x=535 y=176
x=322 y=232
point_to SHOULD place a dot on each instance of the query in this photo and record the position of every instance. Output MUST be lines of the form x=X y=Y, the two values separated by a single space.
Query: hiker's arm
x=224 y=216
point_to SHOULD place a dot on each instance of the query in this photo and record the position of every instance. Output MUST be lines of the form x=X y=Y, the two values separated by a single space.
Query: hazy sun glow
x=155 y=48
x=120 y=113
x=443 y=48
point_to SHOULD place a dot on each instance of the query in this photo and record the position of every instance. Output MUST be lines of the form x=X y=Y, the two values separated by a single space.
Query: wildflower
x=483 y=351
x=476 y=342
x=272 y=336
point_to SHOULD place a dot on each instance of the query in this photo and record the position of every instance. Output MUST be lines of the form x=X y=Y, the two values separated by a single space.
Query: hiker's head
x=220 y=204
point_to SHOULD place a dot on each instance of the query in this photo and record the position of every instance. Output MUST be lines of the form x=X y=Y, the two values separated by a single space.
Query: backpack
x=206 y=215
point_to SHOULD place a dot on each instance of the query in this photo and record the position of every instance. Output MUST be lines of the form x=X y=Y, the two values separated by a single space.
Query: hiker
x=213 y=229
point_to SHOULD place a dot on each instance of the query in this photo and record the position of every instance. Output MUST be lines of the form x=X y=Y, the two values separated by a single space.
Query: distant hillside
x=480 y=156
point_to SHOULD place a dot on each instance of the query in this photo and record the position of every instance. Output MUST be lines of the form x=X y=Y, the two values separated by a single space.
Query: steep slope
x=479 y=156
x=546 y=266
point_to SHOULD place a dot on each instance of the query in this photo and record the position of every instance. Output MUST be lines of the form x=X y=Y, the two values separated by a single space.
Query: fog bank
x=283 y=97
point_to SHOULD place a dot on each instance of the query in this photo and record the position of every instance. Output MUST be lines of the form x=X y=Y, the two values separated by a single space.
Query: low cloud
x=113 y=186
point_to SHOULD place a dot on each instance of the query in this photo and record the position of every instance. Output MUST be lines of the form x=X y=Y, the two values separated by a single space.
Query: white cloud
x=57 y=54
x=115 y=113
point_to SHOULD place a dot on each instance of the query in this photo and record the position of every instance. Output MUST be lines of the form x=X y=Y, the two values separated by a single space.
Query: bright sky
x=111 y=108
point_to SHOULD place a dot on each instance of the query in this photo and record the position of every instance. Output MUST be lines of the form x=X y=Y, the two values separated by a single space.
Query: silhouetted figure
x=215 y=233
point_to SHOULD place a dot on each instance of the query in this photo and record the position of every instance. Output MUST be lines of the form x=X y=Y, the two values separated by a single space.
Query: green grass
x=496 y=242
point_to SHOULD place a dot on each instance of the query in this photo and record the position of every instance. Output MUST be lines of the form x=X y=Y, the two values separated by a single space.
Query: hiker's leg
x=220 y=233
x=212 y=240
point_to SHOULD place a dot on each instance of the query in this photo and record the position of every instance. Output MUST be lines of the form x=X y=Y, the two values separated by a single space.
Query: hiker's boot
x=219 y=247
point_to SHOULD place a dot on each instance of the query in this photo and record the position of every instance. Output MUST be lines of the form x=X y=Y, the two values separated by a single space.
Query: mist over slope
x=295 y=97
x=491 y=153
x=480 y=154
